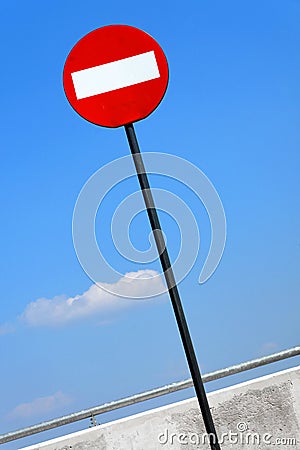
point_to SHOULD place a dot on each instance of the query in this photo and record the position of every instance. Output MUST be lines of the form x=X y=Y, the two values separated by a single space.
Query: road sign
x=115 y=75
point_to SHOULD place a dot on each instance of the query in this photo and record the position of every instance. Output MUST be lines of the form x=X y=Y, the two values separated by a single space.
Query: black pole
x=172 y=287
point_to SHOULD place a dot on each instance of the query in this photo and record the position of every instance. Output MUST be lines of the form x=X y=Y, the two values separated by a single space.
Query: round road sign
x=115 y=75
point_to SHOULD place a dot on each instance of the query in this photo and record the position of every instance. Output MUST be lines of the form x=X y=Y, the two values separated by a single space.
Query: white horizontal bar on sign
x=115 y=75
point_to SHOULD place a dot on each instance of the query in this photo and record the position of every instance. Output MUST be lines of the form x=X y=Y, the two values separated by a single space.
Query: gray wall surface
x=260 y=414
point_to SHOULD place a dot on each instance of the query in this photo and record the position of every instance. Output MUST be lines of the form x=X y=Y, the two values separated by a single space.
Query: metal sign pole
x=172 y=287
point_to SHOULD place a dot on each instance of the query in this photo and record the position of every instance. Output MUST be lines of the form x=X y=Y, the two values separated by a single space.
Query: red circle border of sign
x=127 y=105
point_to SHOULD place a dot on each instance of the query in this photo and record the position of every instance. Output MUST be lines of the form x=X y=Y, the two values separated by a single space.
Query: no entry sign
x=115 y=75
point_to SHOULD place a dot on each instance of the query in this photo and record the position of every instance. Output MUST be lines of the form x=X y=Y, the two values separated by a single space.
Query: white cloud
x=96 y=300
x=269 y=347
x=6 y=328
x=40 y=406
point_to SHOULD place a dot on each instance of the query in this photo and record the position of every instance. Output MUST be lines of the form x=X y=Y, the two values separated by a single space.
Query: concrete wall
x=261 y=414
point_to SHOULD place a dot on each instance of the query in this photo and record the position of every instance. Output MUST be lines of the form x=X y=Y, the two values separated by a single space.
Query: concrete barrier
x=260 y=414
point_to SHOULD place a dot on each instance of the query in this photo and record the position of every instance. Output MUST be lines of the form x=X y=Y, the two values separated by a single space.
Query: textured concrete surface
x=262 y=414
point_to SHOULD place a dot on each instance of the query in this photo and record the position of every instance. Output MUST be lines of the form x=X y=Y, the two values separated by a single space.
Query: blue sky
x=232 y=109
